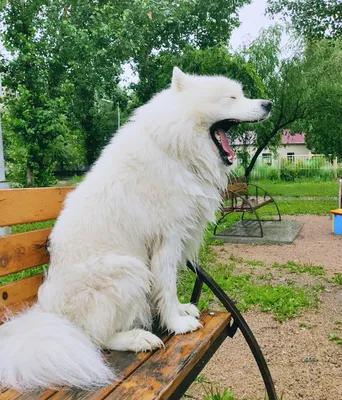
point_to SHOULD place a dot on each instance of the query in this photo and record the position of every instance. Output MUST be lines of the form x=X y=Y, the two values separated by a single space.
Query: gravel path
x=303 y=362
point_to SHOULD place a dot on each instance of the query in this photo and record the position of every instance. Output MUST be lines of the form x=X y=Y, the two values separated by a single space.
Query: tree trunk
x=250 y=167
x=29 y=176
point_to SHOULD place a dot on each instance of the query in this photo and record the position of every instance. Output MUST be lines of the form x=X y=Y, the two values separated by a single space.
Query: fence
x=293 y=167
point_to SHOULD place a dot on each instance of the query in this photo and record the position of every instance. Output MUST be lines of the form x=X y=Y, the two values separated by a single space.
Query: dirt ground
x=303 y=362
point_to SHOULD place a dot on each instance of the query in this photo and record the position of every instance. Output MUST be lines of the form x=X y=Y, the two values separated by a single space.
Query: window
x=267 y=158
x=291 y=157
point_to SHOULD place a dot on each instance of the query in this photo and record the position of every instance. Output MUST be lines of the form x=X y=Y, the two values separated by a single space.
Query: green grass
x=337 y=279
x=295 y=268
x=217 y=395
x=334 y=337
x=32 y=271
x=255 y=263
x=74 y=181
x=23 y=274
x=284 y=301
x=300 y=189
x=32 y=227
x=304 y=325
x=298 y=207
x=201 y=378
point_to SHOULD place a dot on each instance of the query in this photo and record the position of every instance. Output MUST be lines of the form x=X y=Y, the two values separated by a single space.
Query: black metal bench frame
x=202 y=277
x=242 y=203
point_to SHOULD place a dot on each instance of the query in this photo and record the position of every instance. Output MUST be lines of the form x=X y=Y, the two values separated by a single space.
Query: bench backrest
x=236 y=187
x=24 y=251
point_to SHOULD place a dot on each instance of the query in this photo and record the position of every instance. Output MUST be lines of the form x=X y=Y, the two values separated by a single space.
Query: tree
x=36 y=116
x=212 y=61
x=285 y=86
x=323 y=122
x=262 y=73
x=64 y=59
x=306 y=91
x=170 y=26
x=313 y=19
x=67 y=56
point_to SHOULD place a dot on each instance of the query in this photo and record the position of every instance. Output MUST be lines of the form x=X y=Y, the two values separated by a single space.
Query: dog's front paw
x=189 y=309
x=183 y=324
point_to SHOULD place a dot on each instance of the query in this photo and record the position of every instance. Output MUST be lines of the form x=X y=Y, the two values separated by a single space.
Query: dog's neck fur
x=198 y=154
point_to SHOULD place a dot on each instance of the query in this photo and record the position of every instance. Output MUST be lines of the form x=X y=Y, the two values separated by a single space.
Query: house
x=291 y=147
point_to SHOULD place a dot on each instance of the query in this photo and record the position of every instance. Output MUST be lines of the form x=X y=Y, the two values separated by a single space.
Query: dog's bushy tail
x=41 y=350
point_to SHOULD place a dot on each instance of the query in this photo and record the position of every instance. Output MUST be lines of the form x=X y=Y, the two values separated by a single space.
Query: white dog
x=115 y=249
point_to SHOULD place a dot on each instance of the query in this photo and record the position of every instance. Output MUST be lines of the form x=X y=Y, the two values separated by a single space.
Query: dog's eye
x=232 y=97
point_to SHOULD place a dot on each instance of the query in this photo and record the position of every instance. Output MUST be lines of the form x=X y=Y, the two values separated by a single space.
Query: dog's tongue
x=225 y=144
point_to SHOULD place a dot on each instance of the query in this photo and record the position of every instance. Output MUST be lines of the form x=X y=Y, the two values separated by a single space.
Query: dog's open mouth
x=219 y=134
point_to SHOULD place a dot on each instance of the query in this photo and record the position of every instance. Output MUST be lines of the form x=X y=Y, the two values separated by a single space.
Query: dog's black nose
x=267 y=105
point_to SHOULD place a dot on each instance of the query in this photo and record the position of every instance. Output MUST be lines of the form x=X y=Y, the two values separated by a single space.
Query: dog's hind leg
x=106 y=295
x=134 y=340
x=164 y=263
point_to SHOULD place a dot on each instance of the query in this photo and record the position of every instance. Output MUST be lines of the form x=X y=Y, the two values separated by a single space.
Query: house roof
x=249 y=139
x=287 y=138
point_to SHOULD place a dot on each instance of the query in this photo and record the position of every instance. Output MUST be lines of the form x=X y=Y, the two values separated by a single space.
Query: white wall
x=297 y=149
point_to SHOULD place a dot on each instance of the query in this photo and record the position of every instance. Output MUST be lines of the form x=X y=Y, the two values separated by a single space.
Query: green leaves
x=314 y=19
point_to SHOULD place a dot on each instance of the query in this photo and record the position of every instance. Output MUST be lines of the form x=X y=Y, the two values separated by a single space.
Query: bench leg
x=279 y=215
x=239 y=323
x=223 y=216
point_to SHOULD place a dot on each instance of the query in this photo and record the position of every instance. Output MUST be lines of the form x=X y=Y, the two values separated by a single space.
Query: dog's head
x=218 y=104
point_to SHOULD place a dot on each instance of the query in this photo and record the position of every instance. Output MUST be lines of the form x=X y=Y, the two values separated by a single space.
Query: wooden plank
x=237 y=187
x=16 y=308
x=123 y=363
x=17 y=292
x=146 y=375
x=21 y=206
x=162 y=373
x=12 y=394
x=9 y=395
x=23 y=251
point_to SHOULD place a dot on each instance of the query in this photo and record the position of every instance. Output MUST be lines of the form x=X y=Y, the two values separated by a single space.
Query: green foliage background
x=64 y=73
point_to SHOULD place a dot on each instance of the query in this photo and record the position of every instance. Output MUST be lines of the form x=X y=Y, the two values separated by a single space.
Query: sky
x=252 y=19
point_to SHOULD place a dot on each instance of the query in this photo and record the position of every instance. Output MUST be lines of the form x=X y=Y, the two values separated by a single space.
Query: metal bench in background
x=245 y=198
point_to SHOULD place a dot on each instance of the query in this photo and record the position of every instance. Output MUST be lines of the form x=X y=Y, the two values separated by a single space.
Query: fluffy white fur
x=115 y=249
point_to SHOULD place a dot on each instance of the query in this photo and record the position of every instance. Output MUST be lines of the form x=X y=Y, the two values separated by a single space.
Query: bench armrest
x=202 y=277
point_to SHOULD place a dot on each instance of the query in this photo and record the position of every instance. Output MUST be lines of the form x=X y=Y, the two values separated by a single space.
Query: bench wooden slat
x=16 y=308
x=146 y=376
x=21 y=206
x=12 y=394
x=12 y=294
x=238 y=187
x=161 y=374
x=246 y=207
x=23 y=250
x=123 y=363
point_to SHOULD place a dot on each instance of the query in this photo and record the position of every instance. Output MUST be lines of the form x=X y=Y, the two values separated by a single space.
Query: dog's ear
x=178 y=79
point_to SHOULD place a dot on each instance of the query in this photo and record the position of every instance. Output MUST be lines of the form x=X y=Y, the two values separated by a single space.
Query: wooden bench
x=243 y=197
x=162 y=374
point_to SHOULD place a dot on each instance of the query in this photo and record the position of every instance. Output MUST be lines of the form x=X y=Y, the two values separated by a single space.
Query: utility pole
x=2 y=159
x=119 y=116
x=3 y=184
